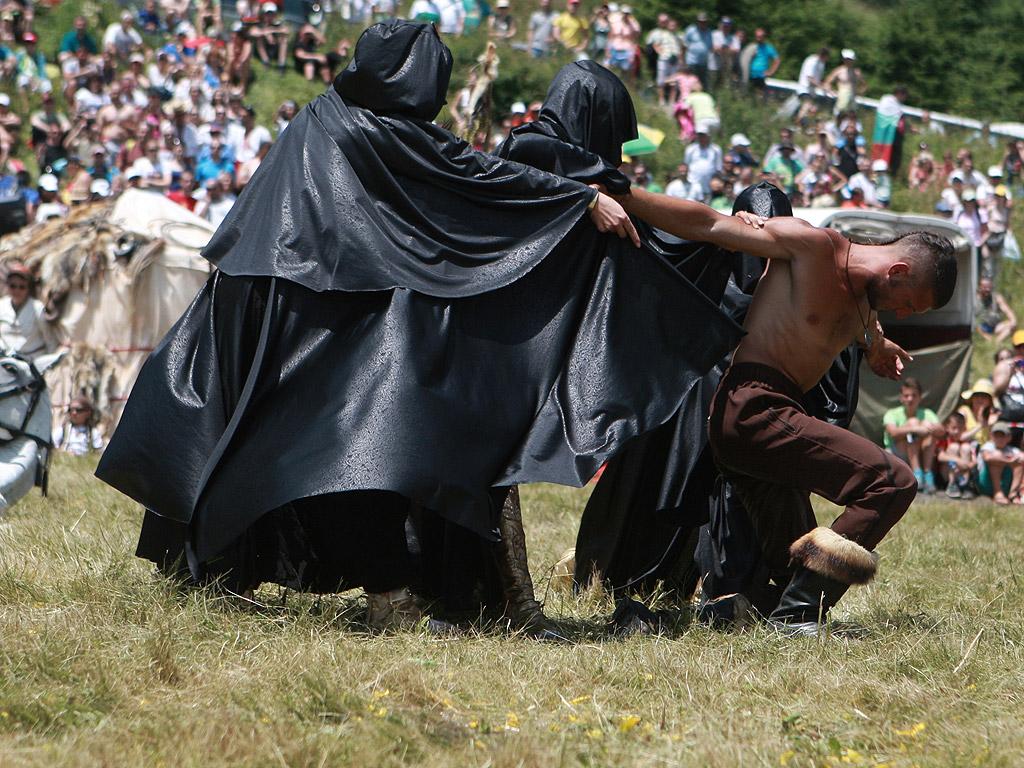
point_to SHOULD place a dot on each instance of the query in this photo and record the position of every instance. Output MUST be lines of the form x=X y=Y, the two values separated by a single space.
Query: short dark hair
x=957 y=417
x=911 y=383
x=933 y=257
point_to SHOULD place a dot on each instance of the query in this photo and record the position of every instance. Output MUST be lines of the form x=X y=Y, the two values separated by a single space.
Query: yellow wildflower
x=628 y=723
x=913 y=731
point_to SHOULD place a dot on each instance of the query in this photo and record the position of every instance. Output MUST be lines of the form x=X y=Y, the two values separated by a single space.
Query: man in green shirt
x=785 y=166
x=910 y=434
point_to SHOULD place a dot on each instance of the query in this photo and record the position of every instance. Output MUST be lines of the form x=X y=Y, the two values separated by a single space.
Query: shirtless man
x=819 y=293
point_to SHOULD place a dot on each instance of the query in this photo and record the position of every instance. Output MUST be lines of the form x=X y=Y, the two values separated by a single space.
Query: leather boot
x=805 y=603
x=829 y=564
x=397 y=610
x=521 y=607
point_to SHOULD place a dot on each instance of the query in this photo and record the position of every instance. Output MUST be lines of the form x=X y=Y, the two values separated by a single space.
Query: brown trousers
x=775 y=454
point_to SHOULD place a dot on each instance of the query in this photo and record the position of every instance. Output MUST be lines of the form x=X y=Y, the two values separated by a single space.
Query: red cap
x=28 y=37
x=17 y=268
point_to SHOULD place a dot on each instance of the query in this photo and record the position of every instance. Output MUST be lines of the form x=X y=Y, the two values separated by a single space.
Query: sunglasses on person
x=79 y=409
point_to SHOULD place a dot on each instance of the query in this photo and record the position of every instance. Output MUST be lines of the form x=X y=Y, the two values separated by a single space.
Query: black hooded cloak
x=395 y=311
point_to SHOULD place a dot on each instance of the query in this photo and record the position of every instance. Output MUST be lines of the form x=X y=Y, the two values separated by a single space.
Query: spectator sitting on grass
x=1001 y=463
x=79 y=434
x=995 y=318
x=956 y=458
x=910 y=434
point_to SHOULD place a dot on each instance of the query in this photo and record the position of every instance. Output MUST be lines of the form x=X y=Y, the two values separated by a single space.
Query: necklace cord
x=849 y=283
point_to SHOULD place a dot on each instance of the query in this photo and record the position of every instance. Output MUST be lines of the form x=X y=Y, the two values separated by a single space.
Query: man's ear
x=899 y=268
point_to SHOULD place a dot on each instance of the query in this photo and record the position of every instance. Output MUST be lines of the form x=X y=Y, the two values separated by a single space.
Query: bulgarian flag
x=888 y=129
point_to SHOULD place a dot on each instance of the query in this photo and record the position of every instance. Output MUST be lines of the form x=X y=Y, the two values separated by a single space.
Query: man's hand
x=887 y=359
x=609 y=216
x=757 y=222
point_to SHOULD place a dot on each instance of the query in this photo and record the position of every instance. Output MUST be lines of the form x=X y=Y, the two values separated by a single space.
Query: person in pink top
x=623 y=38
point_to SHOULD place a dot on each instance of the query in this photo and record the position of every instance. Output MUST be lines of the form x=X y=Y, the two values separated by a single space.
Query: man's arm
x=1001 y=376
x=780 y=238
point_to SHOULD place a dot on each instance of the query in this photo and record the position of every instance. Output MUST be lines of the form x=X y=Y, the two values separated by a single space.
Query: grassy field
x=101 y=663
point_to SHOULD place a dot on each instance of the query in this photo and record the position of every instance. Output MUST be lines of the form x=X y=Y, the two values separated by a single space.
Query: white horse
x=26 y=424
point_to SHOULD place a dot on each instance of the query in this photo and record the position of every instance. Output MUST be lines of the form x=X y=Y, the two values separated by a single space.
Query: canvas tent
x=117 y=276
x=940 y=341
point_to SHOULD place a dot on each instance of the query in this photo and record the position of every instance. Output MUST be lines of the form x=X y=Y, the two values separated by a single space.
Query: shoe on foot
x=397 y=611
x=953 y=490
x=727 y=612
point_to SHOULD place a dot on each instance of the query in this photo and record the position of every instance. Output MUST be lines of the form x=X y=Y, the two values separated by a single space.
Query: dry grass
x=101 y=664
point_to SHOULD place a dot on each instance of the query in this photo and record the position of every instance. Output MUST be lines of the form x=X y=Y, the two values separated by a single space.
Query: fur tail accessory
x=824 y=551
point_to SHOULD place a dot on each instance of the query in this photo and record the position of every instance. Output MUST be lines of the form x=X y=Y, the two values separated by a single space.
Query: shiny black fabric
x=471 y=374
x=398 y=68
x=639 y=526
x=661 y=512
x=445 y=219
x=586 y=117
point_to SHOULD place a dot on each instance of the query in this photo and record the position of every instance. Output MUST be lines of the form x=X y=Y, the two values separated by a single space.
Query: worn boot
x=830 y=563
x=729 y=612
x=397 y=610
x=521 y=606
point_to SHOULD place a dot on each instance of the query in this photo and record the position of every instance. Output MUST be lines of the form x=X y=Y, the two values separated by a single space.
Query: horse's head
x=24 y=399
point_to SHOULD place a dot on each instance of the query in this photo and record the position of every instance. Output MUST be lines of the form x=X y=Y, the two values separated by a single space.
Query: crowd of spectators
x=171 y=116
x=976 y=449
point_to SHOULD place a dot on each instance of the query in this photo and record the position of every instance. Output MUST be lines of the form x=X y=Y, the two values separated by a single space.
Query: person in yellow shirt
x=572 y=29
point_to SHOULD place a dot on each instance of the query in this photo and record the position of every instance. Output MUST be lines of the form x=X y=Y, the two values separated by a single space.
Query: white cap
x=48 y=182
x=5 y=99
x=519 y=108
x=626 y=9
x=133 y=173
x=740 y=140
x=848 y=53
x=995 y=171
x=613 y=7
x=956 y=176
x=100 y=187
x=268 y=8
x=880 y=165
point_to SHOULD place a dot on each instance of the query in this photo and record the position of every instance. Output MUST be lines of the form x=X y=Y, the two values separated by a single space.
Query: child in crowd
x=1002 y=467
x=980 y=411
x=79 y=434
x=956 y=458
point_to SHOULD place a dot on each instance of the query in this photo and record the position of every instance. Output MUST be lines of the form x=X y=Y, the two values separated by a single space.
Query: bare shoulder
x=801 y=239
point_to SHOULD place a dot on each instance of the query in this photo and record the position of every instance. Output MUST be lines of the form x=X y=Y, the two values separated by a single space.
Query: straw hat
x=981 y=387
